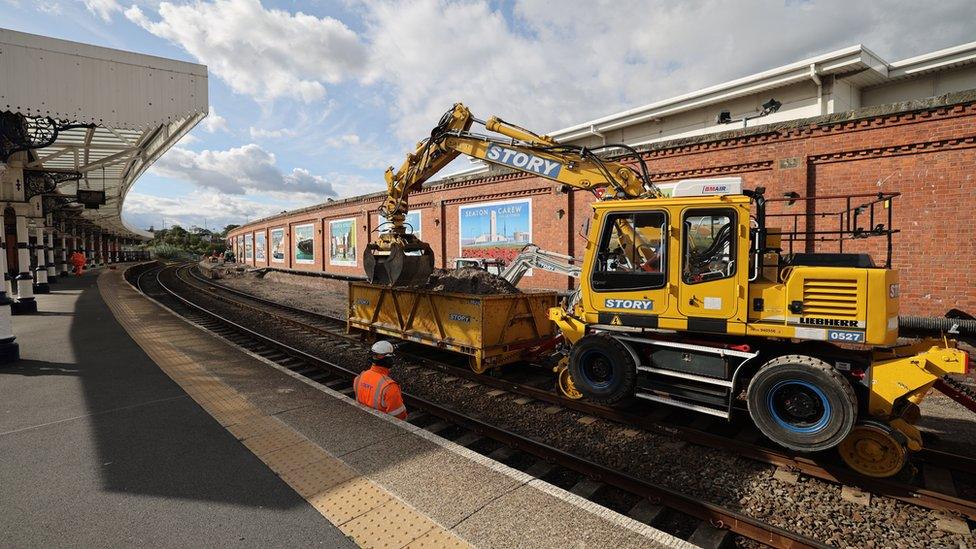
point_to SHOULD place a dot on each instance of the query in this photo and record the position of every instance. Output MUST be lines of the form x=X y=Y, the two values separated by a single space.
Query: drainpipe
x=815 y=76
x=598 y=134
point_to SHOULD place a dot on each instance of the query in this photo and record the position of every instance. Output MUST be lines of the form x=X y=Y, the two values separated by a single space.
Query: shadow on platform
x=150 y=437
x=39 y=368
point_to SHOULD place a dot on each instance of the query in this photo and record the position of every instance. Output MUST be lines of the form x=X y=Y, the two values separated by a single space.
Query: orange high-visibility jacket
x=77 y=259
x=376 y=389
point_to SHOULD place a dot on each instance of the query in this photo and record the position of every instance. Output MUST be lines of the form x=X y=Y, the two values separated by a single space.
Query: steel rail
x=833 y=472
x=716 y=515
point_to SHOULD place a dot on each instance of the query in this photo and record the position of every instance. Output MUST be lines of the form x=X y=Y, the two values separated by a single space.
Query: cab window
x=632 y=252
x=709 y=245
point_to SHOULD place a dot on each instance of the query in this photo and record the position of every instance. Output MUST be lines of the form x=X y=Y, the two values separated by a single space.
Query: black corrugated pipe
x=760 y=201
x=937 y=324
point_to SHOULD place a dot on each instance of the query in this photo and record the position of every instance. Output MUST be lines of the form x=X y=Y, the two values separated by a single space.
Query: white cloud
x=261 y=133
x=103 y=8
x=549 y=68
x=347 y=185
x=214 y=122
x=345 y=140
x=265 y=53
x=198 y=208
x=50 y=8
x=241 y=170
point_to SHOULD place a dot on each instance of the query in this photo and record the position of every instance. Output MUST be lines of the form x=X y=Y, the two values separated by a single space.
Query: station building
x=79 y=124
x=848 y=122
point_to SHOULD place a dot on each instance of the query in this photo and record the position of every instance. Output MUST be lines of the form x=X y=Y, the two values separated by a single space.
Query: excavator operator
x=375 y=388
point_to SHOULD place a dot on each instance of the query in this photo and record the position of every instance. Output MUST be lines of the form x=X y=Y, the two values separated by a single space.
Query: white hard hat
x=382 y=348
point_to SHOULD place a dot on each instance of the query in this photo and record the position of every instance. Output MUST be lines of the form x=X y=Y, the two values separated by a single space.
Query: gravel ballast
x=810 y=507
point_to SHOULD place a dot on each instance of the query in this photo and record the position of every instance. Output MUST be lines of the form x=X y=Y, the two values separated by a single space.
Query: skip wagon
x=493 y=330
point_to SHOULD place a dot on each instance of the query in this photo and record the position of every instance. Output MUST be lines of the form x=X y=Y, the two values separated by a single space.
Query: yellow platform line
x=363 y=510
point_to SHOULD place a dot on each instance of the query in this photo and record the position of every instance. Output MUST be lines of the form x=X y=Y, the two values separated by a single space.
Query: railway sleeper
x=707 y=536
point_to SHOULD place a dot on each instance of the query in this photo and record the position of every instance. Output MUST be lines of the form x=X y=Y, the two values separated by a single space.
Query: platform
x=101 y=448
x=132 y=426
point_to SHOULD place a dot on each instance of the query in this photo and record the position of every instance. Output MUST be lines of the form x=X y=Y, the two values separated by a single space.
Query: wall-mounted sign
x=260 y=246
x=278 y=245
x=304 y=243
x=497 y=230
x=342 y=242
x=413 y=224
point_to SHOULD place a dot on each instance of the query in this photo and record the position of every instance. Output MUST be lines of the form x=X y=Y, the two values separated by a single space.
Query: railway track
x=650 y=503
x=939 y=468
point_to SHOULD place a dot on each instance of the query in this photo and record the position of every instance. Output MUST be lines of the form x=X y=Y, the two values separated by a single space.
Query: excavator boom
x=532 y=256
x=398 y=258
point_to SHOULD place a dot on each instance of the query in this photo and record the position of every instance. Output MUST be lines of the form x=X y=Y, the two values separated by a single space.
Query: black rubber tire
x=618 y=386
x=833 y=394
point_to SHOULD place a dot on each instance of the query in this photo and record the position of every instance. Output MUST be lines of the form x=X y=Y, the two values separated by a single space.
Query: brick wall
x=924 y=150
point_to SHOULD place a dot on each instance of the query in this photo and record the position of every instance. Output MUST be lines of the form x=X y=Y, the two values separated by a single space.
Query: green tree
x=179 y=242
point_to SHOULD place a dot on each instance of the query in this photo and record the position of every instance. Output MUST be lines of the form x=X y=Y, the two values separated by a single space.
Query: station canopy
x=93 y=118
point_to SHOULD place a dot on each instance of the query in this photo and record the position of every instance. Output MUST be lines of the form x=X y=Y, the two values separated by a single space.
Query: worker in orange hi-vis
x=78 y=262
x=375 y=388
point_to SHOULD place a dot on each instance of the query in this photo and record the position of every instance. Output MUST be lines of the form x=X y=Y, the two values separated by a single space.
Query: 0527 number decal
x=847 y=337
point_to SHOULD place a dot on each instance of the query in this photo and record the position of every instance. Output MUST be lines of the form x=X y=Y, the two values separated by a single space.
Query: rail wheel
x=874 y=449
x=477 y=366
x=602 y=369
x=802 y=403
x=564 y=381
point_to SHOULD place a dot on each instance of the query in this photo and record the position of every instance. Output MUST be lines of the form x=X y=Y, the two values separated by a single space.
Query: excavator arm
x=532 y=256
x=398 y=258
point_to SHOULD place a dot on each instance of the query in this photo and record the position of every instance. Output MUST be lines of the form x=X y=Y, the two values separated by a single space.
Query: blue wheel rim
x=800 y=389
x=589 y=375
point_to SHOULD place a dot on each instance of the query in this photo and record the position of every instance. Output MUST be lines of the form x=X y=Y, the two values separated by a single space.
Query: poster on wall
x=304 y=239
x=497 y=230
x=248 y=247
x=413 y=224
x=342 y=242
x=260 y=246
x=278 y=245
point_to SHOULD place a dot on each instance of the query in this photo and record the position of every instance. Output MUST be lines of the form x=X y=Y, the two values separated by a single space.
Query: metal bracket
x=22 y=133
x=38 y=182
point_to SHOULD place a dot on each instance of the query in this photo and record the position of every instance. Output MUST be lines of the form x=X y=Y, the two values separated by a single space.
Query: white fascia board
x=153 y=147
x=146 y=235
x=478 y=166
x=44 y=76
x=79 y=49
x=956 y=55
x=841 y=60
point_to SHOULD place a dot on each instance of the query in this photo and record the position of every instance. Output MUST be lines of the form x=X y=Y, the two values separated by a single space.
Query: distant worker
x=78 y=262
x=375 y=388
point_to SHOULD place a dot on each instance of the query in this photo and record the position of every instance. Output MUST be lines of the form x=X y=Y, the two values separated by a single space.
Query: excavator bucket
x=402 y=265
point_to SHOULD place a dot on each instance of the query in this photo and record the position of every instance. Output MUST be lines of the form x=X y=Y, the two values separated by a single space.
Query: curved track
x=159 y=282
x=745 y=442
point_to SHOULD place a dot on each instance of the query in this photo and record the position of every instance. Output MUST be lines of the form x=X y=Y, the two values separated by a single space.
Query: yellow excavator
x=689 y=300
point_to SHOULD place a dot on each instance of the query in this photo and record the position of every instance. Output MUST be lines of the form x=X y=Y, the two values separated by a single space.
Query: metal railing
x=856 y=215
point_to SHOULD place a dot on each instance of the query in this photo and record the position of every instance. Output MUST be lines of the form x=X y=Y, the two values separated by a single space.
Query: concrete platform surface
x=381 y=481
x=100 y=448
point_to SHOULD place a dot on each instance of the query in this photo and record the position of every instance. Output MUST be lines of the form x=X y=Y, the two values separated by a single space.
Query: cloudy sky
x=314 y=99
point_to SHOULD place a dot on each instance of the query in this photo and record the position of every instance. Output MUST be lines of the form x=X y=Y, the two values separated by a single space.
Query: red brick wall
x=929 y=156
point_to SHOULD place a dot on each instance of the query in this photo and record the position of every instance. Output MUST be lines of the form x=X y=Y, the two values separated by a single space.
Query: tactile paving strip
x=363 y=510
x=390 y=525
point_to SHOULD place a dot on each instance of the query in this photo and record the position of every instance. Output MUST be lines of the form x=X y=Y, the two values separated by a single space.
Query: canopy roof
x=110 y=113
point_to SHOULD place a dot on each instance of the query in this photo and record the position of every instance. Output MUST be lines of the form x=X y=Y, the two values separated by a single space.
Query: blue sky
x=313 y=99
